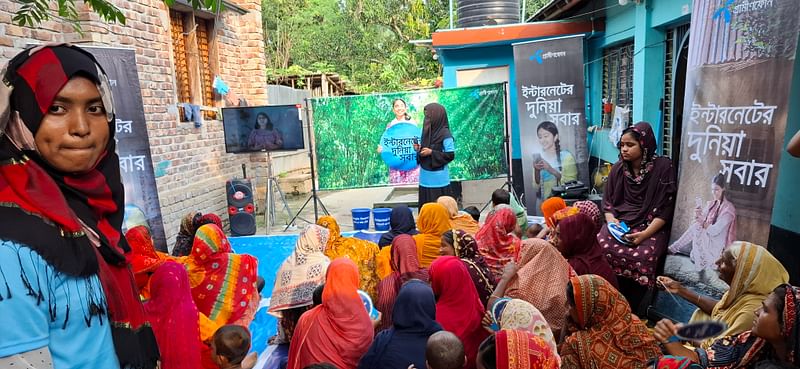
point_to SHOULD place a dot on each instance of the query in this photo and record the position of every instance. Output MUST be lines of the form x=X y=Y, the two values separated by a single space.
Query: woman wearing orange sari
x=459 y=220
x=550 y=207
x=339 y=331
x=607 y=335
x=433 y=221
x=511 y=349
x=222 y=282
x=363 y=253
x=496 y=242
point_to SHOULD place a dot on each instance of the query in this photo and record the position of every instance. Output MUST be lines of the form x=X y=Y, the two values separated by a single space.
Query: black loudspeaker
x=241 y=210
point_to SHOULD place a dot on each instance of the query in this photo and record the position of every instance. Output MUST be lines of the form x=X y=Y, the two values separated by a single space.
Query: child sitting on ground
x=229 y=347
x=444 y=351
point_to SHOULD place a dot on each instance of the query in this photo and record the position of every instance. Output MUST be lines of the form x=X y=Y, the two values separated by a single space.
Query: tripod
x=272 y=184
x=507 y=147
x=314 y=196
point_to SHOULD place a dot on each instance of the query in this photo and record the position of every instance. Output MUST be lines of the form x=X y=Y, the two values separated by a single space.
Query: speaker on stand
x=241 y=208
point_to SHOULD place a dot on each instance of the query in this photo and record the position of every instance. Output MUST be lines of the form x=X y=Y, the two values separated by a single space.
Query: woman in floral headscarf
x=520 y=315
x=222 y=282
x=362 y=252
x=513 y=349
x=640 y=192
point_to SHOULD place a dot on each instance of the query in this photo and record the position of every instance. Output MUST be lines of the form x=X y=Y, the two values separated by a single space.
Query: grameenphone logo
x=540 y=56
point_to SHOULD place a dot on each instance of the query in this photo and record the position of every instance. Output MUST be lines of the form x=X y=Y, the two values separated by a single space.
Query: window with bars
x=618 y=77
x=674 y=81
x=192 y=40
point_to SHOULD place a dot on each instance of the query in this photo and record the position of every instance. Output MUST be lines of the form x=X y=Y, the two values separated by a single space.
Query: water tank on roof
x=477 y=13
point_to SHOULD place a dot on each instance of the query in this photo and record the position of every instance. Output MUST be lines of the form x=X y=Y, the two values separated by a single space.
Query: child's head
x=321 y=366
x=487 y=359
x=474 y=212
x=444 y=351
x=533 y=230
x=260 y=284
x=501 y=196
x=230 y=345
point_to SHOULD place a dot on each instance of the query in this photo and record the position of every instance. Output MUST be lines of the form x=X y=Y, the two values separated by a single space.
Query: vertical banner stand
x=272 y=185
x=317 y=201
x=507 y=147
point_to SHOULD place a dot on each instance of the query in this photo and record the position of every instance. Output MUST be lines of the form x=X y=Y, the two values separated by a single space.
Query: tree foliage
x=34 y=12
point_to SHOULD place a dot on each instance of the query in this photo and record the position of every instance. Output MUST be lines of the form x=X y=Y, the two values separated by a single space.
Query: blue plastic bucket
x=360 y=218
x=381 y=218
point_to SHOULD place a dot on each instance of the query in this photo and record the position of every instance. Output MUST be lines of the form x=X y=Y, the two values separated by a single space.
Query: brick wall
x=198 y=165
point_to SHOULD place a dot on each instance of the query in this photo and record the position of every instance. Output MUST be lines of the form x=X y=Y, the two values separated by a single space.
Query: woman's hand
x=670 y=285
x=486 y=322
x=380 y=149
x=509 y=270
x=377 y=322
x=425 y=152
x=664 y=330
x=539 y=165
x=610 y=219
x=416 y=147
x=637 y=238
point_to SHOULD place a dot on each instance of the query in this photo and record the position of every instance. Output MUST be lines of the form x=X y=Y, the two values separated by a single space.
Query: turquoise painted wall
x=786 y=211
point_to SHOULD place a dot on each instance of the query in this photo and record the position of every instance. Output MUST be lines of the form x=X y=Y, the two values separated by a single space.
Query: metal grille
x=177 y=31
x=673 y=43
x=618 y=76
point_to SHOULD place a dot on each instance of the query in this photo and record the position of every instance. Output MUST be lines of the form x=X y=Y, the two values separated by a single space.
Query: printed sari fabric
x=756 y=274
x=541 y=279
x=405 y=267
x=144 y=258
x=174 y=317
x=433 y=221
x=222 y=282
x=338 y=331
x=458 y=308
x=593 y=211
x=496 y=243
x=301 y=272
x=459 y=220
x=608 y=336
x=466 y=248
x=362 y=252
x=520 y=315
x=675 y=362
x=522 y=350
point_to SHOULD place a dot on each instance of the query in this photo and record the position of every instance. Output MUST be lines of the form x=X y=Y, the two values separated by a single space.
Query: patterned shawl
x=496 y=243
x=143 y=257
x=541 y=280
x=593 y=211
x=608 y=335
x=362 y=252
x=301 y=272
x=466 y=248
x=523 y=350
x=520 y=315
x=222 y=282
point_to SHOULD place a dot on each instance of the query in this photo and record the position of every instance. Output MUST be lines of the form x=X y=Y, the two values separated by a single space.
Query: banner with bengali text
x=133 y=146
x=359 y=142
x=741 y=59
x=552 y=124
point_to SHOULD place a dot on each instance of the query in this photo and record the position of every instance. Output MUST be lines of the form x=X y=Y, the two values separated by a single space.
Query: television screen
x=263 y=128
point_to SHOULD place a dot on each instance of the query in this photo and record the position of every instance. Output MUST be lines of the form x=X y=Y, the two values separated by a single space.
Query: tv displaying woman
x=264 y=136
x=713 y=229
x=553 y=166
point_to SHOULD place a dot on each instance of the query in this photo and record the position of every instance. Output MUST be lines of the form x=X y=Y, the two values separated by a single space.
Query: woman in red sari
x=458 y=307
x=405 y=266
x=174 y=318
x=496 y=242
x=339 y=331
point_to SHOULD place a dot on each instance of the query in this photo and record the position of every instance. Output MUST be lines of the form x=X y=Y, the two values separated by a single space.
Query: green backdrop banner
x=348 y=131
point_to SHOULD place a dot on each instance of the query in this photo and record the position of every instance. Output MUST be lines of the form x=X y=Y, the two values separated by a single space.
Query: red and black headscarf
x=72 y=220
